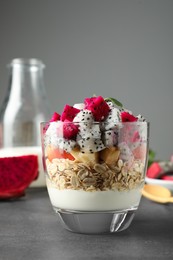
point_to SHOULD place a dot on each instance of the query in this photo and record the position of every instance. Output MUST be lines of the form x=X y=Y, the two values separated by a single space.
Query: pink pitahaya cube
x=98 y=106
x=69 y=113
x=127 y=117
x=55 y=117
x=67 y=130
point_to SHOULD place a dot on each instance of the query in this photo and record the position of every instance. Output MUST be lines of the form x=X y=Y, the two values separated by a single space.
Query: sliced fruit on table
x=16 y=174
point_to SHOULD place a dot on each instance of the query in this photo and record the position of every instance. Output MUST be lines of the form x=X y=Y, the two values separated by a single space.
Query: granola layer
x=68 y=174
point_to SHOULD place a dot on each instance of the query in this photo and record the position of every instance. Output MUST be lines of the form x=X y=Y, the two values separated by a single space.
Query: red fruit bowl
x=161 y=173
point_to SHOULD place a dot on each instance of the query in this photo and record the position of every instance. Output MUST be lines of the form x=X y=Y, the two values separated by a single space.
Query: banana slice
x=110 y=155
x=87 y=158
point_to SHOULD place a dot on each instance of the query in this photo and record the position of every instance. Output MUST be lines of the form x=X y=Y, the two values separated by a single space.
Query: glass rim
x=96 y=122
x=27 y=62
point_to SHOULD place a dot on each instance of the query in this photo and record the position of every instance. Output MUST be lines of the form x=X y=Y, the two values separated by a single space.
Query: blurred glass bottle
x=24 y=107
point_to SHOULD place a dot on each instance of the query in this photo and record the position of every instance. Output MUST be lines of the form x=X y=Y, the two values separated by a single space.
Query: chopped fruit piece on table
x=16 y=174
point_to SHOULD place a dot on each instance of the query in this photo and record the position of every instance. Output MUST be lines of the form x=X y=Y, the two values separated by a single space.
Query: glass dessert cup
x=94 y=181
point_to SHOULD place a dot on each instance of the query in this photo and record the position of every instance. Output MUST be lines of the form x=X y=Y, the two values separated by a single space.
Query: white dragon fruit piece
x=134 y=135
x=84 y=115
x=110 y=104
x=112 y=119
x=141 y=118
x=63 y=144
x=129 y=135
x=89 y=130
x=90 y=145
x=52 y=128
x=135 y=145
x=125 y=152
x=58 y=141
x=51 y=132
x=86 y=125
x=142 y=131
x=110 y=138
x=79 y=106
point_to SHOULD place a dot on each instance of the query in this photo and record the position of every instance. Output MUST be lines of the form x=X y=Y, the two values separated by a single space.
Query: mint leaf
x=151 y=157
x=115 y=101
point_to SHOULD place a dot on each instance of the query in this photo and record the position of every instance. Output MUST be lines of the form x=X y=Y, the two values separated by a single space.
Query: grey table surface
x=30 y=229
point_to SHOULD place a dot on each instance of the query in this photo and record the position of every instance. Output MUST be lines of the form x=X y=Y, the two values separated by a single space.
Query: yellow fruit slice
x=87 y=158
x=110 y=155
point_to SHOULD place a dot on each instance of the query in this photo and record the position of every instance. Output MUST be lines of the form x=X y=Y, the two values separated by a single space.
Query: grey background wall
x=118 y=48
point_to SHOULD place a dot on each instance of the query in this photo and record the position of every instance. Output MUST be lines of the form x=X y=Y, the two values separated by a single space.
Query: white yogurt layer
x=28 y=150
x=95 y=200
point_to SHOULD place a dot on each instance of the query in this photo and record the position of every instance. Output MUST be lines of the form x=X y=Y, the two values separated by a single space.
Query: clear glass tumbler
x=94 y=181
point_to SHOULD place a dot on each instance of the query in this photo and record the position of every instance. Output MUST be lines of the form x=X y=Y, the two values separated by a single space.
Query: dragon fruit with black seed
x=60 y=142
x=110 y=138
x=133 y=134
x=84 y=115
x=51 y=133
x=112 y=119
x=141 y=118
x=110 y=104
x=92 y=126
x=90 y=145
x=65 y=129
x=89 y=130
x=52 y=129
x=61 y=134
x=98 y=106
x=125 y=152
x=66 y=145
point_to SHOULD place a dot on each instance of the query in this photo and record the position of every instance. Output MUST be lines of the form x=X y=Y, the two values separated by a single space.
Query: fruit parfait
x=95 y=157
